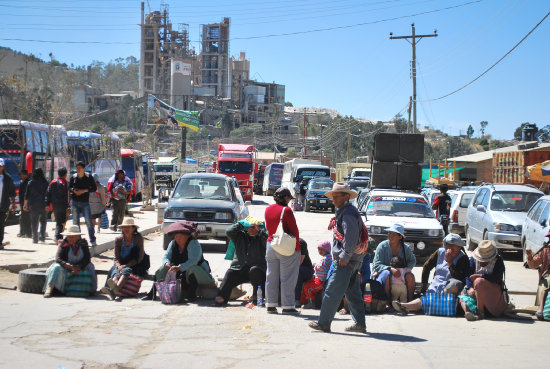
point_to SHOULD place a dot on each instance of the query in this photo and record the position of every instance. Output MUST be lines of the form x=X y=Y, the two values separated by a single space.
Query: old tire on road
x=32 y=280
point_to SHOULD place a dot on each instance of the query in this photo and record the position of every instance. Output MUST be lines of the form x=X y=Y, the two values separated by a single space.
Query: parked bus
x=101 y=153
x=273 y=174
x=27 y=145
x=132 y=164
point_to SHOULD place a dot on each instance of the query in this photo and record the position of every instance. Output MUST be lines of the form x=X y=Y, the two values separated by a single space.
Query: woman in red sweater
x=279 y=267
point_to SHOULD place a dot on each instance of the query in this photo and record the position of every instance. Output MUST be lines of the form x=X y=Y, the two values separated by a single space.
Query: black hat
x=283 y=192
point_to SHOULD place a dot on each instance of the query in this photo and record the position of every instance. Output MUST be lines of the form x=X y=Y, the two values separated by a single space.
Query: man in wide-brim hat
x=344 y=281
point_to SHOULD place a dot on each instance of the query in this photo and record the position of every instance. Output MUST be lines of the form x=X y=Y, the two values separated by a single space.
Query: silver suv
x=497 y=213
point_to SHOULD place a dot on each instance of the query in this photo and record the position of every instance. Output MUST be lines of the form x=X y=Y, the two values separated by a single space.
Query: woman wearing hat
x=97 y=202
x=73 y=256
x=386 y=250
x=281 y=268
x=540 y=260
x=184 y=257
x=484 y=287
x=129 y=258
x=119 y=189
x=451 y=270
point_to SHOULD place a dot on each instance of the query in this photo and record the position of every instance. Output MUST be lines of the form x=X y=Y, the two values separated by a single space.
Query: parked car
x=212 y=200
x=358 y=184
x=459 y=205
x=497 y=213
x=315 y=195
x=536 y=226
x=383 y=208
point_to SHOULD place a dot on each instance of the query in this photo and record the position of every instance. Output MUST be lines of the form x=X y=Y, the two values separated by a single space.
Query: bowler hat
x=184 y=226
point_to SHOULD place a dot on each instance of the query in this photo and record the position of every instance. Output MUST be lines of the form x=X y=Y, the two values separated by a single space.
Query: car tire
x=307 y=209
x=166 y=241
x=523 y=253
x=32 y=280
x=469 y=243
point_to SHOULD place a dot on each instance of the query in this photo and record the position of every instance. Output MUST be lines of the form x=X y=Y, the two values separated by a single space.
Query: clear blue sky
x=353 y=67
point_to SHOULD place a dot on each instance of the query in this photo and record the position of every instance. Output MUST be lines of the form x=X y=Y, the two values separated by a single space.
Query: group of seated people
x=477 y=282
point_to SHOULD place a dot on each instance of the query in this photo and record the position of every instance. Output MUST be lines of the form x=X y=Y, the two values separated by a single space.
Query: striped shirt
x=321 y=268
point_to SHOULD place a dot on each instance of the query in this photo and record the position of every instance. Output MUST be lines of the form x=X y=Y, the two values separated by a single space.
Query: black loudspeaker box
x=386 y=147
x=384 y=175
x=411 y=148
x=409 y=176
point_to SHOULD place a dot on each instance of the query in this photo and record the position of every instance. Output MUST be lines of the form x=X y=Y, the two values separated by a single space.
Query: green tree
x=288 y=103
x=482 y=126
x=544 y=134
x=518 y=133
x=470 y=131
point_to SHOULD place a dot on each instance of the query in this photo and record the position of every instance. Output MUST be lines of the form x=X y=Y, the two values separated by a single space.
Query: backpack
x=59 y=194
x=363 y=242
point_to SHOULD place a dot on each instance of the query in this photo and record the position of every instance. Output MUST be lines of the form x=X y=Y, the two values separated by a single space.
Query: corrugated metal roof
x=488 y=155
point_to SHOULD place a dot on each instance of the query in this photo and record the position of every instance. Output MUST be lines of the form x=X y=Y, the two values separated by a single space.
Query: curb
x=94 y=251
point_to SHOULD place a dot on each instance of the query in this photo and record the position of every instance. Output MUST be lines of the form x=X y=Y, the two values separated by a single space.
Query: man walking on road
x=442 y=204
x=24 y=216
x=344 y=281
x=58 y=197
x=7 y=198
x=80 y=186
x=121 y=188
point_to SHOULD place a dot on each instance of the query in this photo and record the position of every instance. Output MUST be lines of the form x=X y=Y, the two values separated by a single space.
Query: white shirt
x=1 y=187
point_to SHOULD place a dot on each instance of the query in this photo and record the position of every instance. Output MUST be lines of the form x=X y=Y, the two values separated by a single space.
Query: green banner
x=189 y=119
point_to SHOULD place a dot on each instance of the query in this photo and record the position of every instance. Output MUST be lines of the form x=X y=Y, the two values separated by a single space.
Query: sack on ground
x=78 y=284
x=546 y=309
x=169 y=292
x=131 y=287
x=442 y=304
x=104 y=220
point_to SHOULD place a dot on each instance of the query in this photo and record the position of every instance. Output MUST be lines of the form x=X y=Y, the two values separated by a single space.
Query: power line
x=492 y=66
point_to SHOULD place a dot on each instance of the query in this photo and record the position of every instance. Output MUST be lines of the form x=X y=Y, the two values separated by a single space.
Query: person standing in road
x=442 y=204
x=344 y=281
x=7 y=199
x=80 y=186
x=58 y=198
x=97 y=202
x=35 y=203
x=24 y=216
x=120 y=189
x=281 y=269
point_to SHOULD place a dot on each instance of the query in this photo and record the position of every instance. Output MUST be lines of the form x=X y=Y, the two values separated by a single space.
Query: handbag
x=283 y=243
x=442 y=304
x=104 y=221
x=78 y=284
x=131 y=287
x=546 y=309
x=169 y=290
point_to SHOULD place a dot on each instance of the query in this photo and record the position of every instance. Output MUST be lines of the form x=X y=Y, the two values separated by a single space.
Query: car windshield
x=399 y=206
x=357 y=186
x=237 y=167
x=164 y=168
x=320 y=185
x=513 y=201
x=202 y=188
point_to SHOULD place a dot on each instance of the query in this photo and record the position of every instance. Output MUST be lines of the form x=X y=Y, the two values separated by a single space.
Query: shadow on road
x=213 y=247
x=259 y=202
x=395 y=337
x=512 y=255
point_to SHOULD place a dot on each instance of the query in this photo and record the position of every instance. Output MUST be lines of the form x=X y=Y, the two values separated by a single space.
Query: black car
x=315 y=195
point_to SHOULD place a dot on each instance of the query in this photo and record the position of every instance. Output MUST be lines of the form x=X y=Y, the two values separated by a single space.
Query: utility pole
x=305 y=133
x=409 y=111
x=349 y=137
x=415 y=39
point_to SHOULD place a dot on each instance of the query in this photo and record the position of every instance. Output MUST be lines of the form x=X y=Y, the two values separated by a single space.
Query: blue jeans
x=344 y=281
x=78 y=208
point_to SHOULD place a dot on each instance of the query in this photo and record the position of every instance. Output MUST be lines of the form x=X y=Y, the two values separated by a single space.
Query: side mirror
x=543 y=223
x=481 y=208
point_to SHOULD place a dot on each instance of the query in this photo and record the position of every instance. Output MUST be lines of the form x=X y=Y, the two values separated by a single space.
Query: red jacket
x=272 y=216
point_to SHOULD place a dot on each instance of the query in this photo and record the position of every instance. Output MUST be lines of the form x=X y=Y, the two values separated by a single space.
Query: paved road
x=96 y=333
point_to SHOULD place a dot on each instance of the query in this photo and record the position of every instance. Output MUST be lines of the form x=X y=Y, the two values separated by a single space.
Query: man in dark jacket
x=442 y=204
x=24 y=217
x=35 y=204
x=80 y=187
x=58 y=198
x=248 y=265
x=7 y=199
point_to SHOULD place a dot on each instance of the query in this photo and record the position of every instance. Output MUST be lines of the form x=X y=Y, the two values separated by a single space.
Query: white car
x=536 y=227
x=383 y=208
x=459 y=205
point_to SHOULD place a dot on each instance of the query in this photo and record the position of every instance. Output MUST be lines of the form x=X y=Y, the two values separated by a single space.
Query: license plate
x=201 y=228
x=323 y=201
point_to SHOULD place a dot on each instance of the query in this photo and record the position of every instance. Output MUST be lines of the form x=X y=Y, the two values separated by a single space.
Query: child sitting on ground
x=315 y=285
x=398 y=286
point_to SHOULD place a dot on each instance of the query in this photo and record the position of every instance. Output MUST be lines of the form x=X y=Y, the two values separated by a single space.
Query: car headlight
x=434 y=232
x=173 y=214
x=375 y=230
x=421 y=245
x=505 y=227
x=223 y=216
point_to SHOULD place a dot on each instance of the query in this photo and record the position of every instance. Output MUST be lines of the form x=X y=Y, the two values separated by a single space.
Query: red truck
x=237 y=161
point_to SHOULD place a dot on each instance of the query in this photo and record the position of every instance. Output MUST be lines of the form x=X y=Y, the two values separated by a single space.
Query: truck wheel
x=307 y=209
x=166 y=241
x=471 y=244
x=32 y=280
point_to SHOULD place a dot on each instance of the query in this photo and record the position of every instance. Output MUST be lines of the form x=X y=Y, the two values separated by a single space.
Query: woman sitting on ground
x=386 y=250
x=73 y=257
x=541 y=260
x=248 y=265
x=484 y=287
x=129 y=258
x=451 y=269
x=184 y=257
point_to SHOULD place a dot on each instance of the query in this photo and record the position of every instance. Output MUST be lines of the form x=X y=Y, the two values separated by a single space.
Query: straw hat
x=128 y=222
x=341 y=187
x=73 y=230
x=485 y=251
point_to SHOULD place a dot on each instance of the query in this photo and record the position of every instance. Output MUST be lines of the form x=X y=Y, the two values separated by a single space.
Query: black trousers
x=254 y=274
x=3 y=215
x=119 y=209
x=60 y=220
x=38 y=217
x=25 y=224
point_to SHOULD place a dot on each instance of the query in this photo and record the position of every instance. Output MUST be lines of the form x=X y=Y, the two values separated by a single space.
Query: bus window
x=65 y=146
x=30 y=139
x=53 y=138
